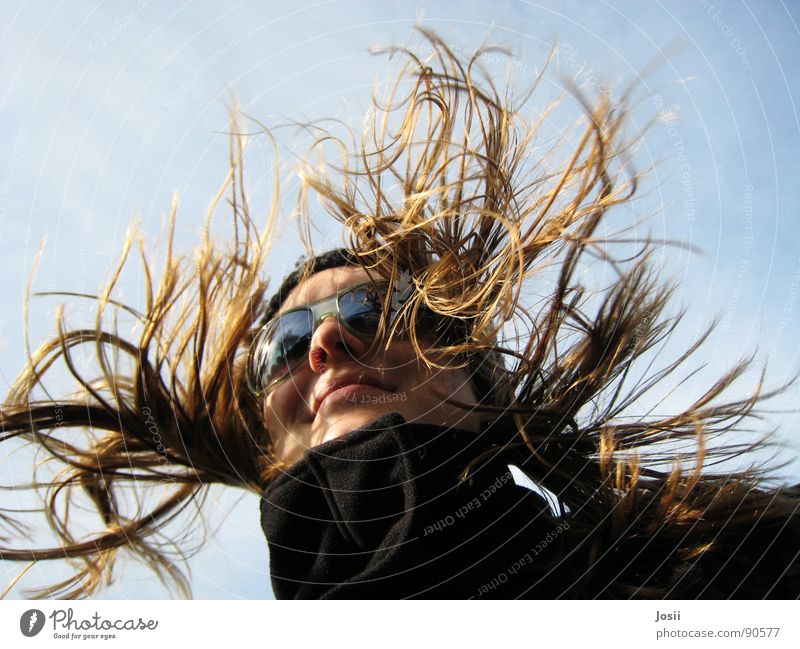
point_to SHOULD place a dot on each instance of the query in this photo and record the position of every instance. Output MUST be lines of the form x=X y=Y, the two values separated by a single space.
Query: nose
x=333 y=342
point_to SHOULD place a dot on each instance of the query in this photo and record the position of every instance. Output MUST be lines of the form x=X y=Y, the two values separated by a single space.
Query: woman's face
x=308 y=409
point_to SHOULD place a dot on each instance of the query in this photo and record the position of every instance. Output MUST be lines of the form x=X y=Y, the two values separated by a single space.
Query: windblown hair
x=446 y=181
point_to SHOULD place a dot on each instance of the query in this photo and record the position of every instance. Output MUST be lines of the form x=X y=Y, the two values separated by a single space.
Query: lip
x=355 y=381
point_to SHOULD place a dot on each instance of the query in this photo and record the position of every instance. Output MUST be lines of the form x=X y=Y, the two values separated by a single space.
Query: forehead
x=323 y=284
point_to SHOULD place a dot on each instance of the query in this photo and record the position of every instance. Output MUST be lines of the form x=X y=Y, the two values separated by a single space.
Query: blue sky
x=106 y=109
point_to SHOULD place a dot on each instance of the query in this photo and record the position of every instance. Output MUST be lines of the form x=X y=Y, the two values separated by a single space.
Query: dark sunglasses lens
x=361 y=310
x=284 y=347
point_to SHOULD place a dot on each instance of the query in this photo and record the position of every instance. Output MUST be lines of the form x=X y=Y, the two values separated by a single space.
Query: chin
x=335 y=427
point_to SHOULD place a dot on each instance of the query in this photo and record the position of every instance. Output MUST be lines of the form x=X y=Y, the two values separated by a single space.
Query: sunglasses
x=282 y=345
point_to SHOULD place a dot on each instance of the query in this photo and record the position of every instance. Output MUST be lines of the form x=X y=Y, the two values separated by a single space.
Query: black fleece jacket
x=381 y=513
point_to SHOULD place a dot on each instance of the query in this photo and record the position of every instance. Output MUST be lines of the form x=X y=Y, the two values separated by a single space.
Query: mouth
x=347 y=387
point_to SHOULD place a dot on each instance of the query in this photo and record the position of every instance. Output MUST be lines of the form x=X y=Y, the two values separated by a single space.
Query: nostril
x=317 y=357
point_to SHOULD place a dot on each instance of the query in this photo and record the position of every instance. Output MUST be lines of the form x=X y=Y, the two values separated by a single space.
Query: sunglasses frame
x=320 y=310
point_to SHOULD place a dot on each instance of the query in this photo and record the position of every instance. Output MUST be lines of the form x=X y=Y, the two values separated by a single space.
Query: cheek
x=410 y=373
x=456 y=384
x=286 y=404
x=401 y=357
